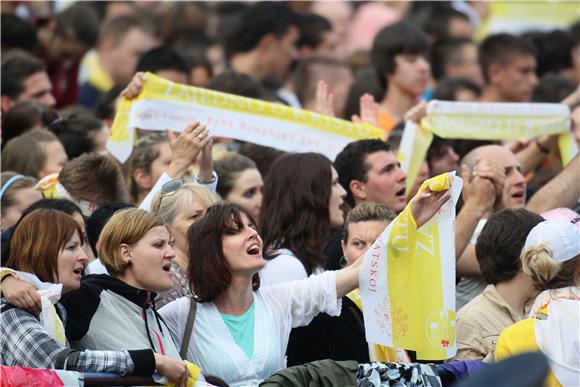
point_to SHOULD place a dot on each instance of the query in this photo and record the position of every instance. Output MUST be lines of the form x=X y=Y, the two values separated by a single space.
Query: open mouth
x=253 y=250
x=167 y=267
x=518 y=195
x=401 y=192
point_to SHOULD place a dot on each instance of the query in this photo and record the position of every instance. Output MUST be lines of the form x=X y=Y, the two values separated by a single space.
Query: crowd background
x=65 y=65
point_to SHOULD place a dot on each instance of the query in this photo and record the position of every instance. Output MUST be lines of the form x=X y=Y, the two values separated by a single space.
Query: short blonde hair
x=126 y=226
x=167 y=206
x=367 y=212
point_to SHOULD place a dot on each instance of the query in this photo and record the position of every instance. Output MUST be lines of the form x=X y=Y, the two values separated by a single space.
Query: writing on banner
x=164 y=104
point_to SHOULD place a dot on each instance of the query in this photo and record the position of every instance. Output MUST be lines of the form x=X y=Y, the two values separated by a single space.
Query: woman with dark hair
x=240 y=182
x=241 y=330
x=302 y=199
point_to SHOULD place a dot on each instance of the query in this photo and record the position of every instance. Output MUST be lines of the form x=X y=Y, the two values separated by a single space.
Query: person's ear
x=494 y=71
x=142 y=179
x=268 y=42
x=343 y=246
x=6 y=103
x=126 y=253
x=358 y=190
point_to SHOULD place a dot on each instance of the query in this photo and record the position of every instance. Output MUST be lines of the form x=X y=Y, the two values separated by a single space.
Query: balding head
x=514 y=190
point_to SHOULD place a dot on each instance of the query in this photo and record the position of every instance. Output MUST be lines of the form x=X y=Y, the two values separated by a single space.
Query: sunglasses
x=169 y=188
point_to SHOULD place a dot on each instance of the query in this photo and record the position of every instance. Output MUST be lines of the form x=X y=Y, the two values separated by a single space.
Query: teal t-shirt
x=242 y=329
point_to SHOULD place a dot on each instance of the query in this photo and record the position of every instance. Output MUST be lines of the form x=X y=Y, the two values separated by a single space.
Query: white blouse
x=277 y=309
x=284 y=268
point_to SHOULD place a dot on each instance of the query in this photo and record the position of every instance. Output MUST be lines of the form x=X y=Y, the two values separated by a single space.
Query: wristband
x=211 y=181
x=5 y=272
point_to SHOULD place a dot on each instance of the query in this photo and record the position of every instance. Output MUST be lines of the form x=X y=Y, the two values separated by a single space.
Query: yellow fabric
x=58 y=333
x=282 y=122
x=419 y=319
x=457 y=120
x=93 y=73
x=194 y=374
x=47 y=186
x=377 y=352
x=521 y=338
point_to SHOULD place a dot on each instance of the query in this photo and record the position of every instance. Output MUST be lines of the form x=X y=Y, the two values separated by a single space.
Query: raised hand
x=135 y=87
x=186 y=147
x=324 y=99
x=426 y=203
x=369 y=111
x=417 y=112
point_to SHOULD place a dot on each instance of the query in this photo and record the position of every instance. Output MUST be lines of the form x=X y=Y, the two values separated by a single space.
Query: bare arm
x=562 y=191
x=533 y=155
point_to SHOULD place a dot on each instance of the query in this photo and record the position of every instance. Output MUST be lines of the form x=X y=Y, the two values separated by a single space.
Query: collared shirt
x=480 y=322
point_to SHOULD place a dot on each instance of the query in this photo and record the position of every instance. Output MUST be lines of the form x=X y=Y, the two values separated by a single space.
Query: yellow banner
x=407 y=281
x=163 y=104
x=483 y=121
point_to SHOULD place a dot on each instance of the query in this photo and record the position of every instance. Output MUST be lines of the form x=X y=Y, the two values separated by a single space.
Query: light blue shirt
x=242 y=329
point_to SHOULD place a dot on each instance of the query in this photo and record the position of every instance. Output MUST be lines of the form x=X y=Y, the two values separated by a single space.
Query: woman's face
x=24 y=198
x=243 y=251
x=150 y=261
x=247 y=192
x=190 y=210
x=361 y=236
x=337 y=195
x=71 y=262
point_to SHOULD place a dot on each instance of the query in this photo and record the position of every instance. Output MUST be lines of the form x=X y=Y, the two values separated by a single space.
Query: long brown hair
x=37 y=252
x=295 y=213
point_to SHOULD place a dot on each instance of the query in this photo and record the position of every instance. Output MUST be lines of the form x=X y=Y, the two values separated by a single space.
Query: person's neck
x=492 y=94
x=180 y=258
x=397 y=103
x=107 y=67
x=517 y=292
x=237 y=298
x=248 y=63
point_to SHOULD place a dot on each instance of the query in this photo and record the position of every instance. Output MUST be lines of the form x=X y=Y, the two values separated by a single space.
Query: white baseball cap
x=561 y=237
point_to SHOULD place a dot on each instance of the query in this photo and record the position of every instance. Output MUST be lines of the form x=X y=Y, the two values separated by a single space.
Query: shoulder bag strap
x=188 y=327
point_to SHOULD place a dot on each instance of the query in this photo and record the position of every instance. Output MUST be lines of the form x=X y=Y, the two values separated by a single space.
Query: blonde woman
x=551 y=257
x=180 y=204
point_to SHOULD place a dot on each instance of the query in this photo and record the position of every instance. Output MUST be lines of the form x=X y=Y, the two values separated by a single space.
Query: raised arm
x=562 y=191
x=424 y=206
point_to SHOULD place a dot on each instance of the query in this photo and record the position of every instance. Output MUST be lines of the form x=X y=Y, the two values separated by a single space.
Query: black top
x=326 y=337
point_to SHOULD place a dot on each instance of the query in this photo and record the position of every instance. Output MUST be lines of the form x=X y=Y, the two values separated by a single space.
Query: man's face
x=513 y=194
x=516 y=80
x=411 y=74
x=282 y=53
x=38 y=87
x=125 y=55
x=443 y=161
x=467 y=65
x=67 y=50
x=385 y=181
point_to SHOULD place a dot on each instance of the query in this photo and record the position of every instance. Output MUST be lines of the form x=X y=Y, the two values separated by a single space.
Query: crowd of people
x=242 y=259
